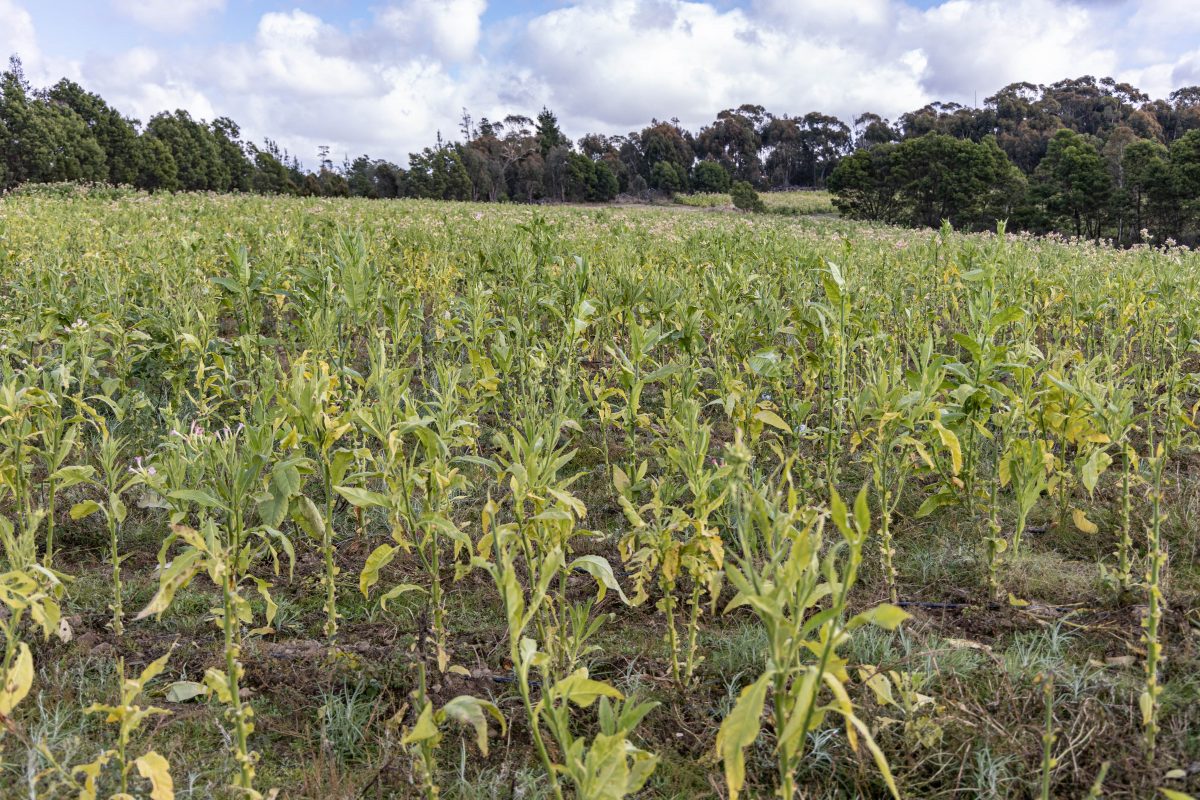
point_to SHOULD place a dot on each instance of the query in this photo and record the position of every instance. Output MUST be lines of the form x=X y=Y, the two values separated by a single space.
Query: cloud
x=980 y=45
x=17 y=33
x=168 y=16
x=386 y=82
x=446 y=29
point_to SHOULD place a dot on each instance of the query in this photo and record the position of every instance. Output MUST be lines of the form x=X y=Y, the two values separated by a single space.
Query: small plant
x=117 y=479
x=782 y=586
x=129 y=717
x=609 y=767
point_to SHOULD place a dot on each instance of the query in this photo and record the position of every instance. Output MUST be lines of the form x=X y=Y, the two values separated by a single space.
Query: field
x=794 y=203
x=354 y=499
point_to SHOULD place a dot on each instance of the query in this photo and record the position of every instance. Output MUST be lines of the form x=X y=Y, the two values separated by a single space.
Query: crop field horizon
x=337 y=498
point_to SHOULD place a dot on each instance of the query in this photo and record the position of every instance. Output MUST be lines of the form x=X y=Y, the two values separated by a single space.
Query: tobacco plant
x=799 y=594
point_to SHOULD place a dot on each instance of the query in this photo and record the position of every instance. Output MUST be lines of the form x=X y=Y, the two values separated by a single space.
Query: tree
x=865 y=185
x=270 y=174
x=116 y=135
x=549 y=135
x=709 y=176
x=1143 y=166
x=195 y=149
x=45 y=139
x=607 y=184
x=157 y=169
x=667 y=177
x=733 y=141
x=1072 y=183
x=745 y=197
x=871 y=129
x=1180 y=192
x=927 y=180
x=227 y=137
x=804 y=150
x=663 y=141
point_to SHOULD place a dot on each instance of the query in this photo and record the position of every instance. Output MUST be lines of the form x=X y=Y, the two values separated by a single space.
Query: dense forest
x=1090 y=158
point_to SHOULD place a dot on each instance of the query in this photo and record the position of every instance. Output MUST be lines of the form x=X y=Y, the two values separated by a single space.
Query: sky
x=382 y=77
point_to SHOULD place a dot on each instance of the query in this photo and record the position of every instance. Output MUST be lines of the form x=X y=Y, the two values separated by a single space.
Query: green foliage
x=928 y=179
x=668 y=177
x=745 y=198
x=482 y=434
x=709 y=176
x=1072 y=183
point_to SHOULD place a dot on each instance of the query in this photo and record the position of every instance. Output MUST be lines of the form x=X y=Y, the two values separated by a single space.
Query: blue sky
x=382 y=76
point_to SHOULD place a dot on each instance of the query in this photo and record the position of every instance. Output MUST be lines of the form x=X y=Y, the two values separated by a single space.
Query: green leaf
x=935 y=501
x=362 y=498
x=196 y=496
x=72 y=476
x=228 y=284
x=84 y=509
x=582 y=690
x=273 y=504
x=306 y=515
x=182 y=691
x=1171 y=794
x=176 y=576
x=862 y=512
x=739 y=730
x=396 y=591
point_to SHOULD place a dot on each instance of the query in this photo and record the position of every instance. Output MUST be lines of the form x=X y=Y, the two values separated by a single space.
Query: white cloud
x=140 y=83
x=16 y=32
x=171 y=16
x=981 y=45
x=448 y=29
x=386 y=83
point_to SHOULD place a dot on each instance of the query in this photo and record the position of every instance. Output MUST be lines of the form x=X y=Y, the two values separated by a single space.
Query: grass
x=786 y=203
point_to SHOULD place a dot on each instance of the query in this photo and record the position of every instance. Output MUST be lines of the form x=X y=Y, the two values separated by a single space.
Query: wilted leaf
x=155 y=769
x=182 y=691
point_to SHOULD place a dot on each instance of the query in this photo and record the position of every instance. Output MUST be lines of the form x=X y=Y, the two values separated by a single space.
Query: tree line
x=1083 y=156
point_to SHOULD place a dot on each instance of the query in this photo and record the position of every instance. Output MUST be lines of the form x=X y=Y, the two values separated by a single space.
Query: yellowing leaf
x=470 y=711
x=884 y=615
x=1171 y=794
x=769 y=417
x=362 y=498
x=17 y=681
x=379 y=558
x=155 y=769
x=84 y=509
x=1082 y=522
x=738 y=731
x=950 y=442
x=582 y=690
x=425 y=728
x=182 y=691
